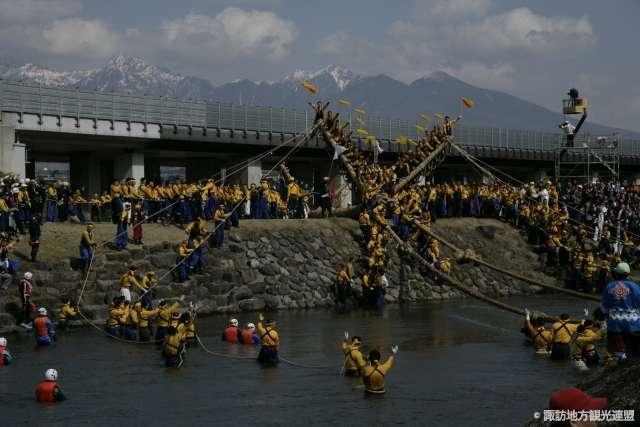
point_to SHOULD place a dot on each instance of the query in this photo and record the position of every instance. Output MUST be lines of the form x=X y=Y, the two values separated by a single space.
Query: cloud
x=466 y=39
x=343 y=43
x=14 y=12
x=494 y=76
x=234 y=32
x=523 y=29
x=451 y=9
x=75 y=36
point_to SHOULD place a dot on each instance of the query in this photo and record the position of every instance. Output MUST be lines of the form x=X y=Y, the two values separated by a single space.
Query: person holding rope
x=270 y=340
x=164 y=318
x=219 y=219
x=129 y=278
x=584 y=354
x=66 y=313
x=540 y=337
x=354 y=361
x=87 y=246
x=116 y=316
x=563 y=333
x=188 y=326
x=145 y=315
x=183 y=252
x=173 y=348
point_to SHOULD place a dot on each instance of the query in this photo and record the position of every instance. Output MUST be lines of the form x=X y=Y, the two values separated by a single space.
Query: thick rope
x=475 y=258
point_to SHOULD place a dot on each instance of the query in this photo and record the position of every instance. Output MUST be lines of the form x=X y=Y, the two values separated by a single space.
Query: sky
x=535 y=50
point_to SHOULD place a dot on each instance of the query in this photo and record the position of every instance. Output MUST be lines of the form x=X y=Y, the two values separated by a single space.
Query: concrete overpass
x=100 y=136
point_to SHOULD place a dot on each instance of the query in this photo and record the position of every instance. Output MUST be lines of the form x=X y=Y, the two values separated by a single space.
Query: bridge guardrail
x=27 y=98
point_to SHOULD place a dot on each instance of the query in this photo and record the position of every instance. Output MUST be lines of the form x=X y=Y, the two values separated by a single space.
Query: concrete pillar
x=12 y=153
x=252 y=174
x=344 y=196
x=129 y=165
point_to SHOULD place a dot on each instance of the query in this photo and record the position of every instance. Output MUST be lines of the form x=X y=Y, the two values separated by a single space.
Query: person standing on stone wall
x=87 y=246
x=325 y=198
x=34 y=236
x=25 y=289
x=52 y=203
x=129 y=278
x=219 y=218
x=24 y=208
x=138 y=219
x=122 y=235
x=64 y=194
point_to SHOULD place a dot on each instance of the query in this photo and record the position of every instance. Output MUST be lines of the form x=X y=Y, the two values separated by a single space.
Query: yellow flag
x=401 y=140
x=371 y=139
x=362 y=132
x=344 y=102
x=467 y=102
x=420 y=128
x=439 y=116
x=425 y=118
x=309 y=86
x=412 y=142
x=360 y=122
x=360 y=111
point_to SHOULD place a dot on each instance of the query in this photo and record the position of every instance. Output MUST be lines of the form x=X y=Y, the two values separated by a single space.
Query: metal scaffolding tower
x=590 y=158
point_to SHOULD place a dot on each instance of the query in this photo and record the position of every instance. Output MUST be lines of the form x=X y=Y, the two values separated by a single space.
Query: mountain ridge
x=377 y=94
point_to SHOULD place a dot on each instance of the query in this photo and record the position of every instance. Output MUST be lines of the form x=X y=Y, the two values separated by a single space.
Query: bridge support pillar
x=252 y=174
x=12 y=152
x=85 y=173
x=129 y=165
x=344 y=195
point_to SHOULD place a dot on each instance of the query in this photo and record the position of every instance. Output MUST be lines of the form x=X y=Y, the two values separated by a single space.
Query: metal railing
x=33 y=99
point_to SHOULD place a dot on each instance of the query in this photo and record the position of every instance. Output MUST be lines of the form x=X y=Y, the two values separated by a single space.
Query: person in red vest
x=5 y=356
x=43 y=328
x=232 y=333
x=48 y=390
x=249 y=335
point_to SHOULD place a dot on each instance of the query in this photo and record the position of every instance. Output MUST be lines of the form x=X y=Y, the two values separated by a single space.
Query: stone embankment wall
x=276 y=265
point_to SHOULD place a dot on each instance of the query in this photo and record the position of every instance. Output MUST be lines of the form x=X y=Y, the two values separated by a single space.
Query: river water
x=461 y=363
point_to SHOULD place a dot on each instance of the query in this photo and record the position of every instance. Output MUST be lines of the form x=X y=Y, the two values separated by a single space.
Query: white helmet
x=3 y=342
x=27 y=180
x=233 y=322
x=51 y=375
x=251 y=326
x=42 y=311
x=28 y=275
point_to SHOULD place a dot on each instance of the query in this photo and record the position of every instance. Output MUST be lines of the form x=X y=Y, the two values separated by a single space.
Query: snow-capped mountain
x=378 y=95
x=341 y=77
x=121 y=74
